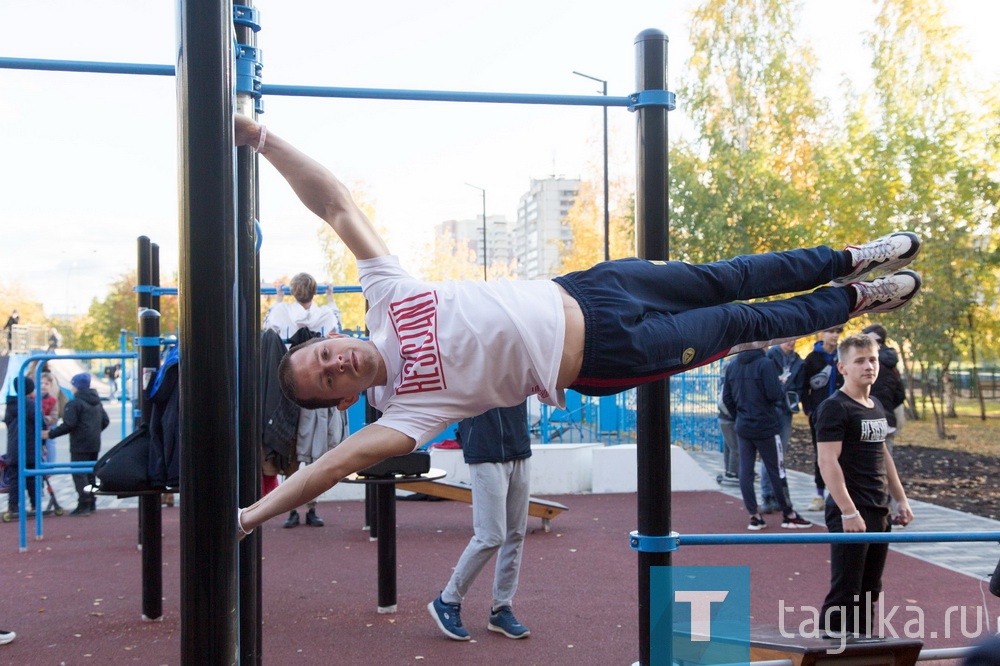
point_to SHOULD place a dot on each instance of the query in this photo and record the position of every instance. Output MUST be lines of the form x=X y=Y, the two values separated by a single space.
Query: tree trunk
x=910 y=405
x=948 y=393
x=974 y=374
x=929 y=387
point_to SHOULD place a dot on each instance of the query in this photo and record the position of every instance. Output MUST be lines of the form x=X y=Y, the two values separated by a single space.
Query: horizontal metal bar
x=445 y=96
x=86 y=66
x=933 y=654
x=826 y=537
x=322 y=91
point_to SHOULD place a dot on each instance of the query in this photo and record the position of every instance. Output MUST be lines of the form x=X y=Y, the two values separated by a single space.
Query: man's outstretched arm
x=370 y=445
x=317 y=188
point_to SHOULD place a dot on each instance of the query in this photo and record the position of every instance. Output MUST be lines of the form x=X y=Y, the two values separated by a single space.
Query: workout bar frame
x=209 y=381
x=652 y=227
x=251 y=613
x=209 y=595
x=277 y=90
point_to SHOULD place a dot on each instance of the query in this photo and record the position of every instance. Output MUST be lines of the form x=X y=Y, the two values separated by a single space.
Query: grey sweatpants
x=500 y=519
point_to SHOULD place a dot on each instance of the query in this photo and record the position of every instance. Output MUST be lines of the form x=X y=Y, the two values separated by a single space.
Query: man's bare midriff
x=572 y=355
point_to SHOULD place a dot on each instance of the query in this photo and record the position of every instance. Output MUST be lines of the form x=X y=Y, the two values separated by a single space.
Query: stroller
x=7 y=480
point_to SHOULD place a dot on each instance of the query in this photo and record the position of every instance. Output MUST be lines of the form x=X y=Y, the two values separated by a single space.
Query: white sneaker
x=6 y=636
x=885 y=255
x=817 y=504
x=886 y=293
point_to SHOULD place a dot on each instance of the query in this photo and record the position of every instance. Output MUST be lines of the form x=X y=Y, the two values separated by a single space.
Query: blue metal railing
x=43 y=468
x=611 y=420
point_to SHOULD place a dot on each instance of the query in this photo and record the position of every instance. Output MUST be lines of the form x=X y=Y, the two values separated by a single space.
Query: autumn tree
x=342 y=268
x=15 y=296
x=99 y=328
x=447 y=259
x=746 y=183
x=912 y=156
x=586 y=222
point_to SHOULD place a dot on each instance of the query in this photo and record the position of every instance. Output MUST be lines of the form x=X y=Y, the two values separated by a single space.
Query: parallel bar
x=250 y=407
x=86 y=66
x=653 y=399
x=327 y=91
x=150 y=511
x=385 y=502
x=267 y=291
x=445 y=96
x=841 y=537
x=208 y=371
x=934 y=654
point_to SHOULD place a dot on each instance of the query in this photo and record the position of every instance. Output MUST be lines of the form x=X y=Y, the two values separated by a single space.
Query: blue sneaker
x=504 y=622
x=449 y=619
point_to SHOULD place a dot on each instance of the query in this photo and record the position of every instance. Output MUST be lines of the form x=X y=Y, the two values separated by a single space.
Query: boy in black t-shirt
x=860 y=476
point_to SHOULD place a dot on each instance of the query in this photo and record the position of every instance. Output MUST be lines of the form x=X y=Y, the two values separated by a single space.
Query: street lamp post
x=607 y=215
x=484 y=226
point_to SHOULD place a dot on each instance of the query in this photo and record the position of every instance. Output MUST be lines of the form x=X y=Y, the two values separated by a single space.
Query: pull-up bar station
x=219 y=324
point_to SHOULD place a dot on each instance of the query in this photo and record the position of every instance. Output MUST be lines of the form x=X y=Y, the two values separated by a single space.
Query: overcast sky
x=88 y=161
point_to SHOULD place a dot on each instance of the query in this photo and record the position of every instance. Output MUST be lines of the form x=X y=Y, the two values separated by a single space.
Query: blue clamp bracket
x=249 y=71
x=155 y=291
x=645 y=98
x=140 y=341
x=654 y=544
x=258 y=236
x=248 y=16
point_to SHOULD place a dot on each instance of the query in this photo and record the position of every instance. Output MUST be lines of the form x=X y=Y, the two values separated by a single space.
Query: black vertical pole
x=154 y=270
x=248 y=344
x=150 y=512
x=385 y=502
x=371 y=496
x=150 y=518
x=209 y=401
x=653 y=400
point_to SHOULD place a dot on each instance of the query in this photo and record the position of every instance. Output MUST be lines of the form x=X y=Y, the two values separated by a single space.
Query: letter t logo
x=701 y=610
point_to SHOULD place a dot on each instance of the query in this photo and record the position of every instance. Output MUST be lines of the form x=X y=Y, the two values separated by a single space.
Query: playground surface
x=75 y=597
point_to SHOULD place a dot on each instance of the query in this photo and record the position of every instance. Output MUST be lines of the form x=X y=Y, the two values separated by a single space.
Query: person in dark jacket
x=497 y=448
x=821 y=380
x=11 y=418
x=84 y=419
x=752 y=391
x=790 y=372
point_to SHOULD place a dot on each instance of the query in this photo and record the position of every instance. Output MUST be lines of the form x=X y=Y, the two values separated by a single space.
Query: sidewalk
x=975 y=559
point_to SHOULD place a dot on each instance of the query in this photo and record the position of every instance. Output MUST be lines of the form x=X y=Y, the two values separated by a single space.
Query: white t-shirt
x=286 y=318
x=456 y=349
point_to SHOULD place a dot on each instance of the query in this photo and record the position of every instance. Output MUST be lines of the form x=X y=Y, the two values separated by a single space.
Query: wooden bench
x=460 y=492
x=767 y=643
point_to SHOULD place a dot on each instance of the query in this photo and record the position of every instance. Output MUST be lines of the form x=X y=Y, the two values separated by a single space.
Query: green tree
x=747 y=182
x=912 y=156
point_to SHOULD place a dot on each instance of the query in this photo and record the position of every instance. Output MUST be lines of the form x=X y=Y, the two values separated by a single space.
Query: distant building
x=470 y=234
x=539 y=227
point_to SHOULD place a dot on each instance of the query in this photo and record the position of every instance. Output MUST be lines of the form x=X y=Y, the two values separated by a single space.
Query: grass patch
x=968 y=432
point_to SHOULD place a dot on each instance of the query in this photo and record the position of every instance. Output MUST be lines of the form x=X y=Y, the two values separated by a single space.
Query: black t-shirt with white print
x=862 y=431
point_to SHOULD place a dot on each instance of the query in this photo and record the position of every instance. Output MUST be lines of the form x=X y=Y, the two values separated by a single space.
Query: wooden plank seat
x=461 y=492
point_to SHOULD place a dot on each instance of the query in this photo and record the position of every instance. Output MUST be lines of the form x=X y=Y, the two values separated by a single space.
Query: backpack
x=125 y=468
x=164 y=425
